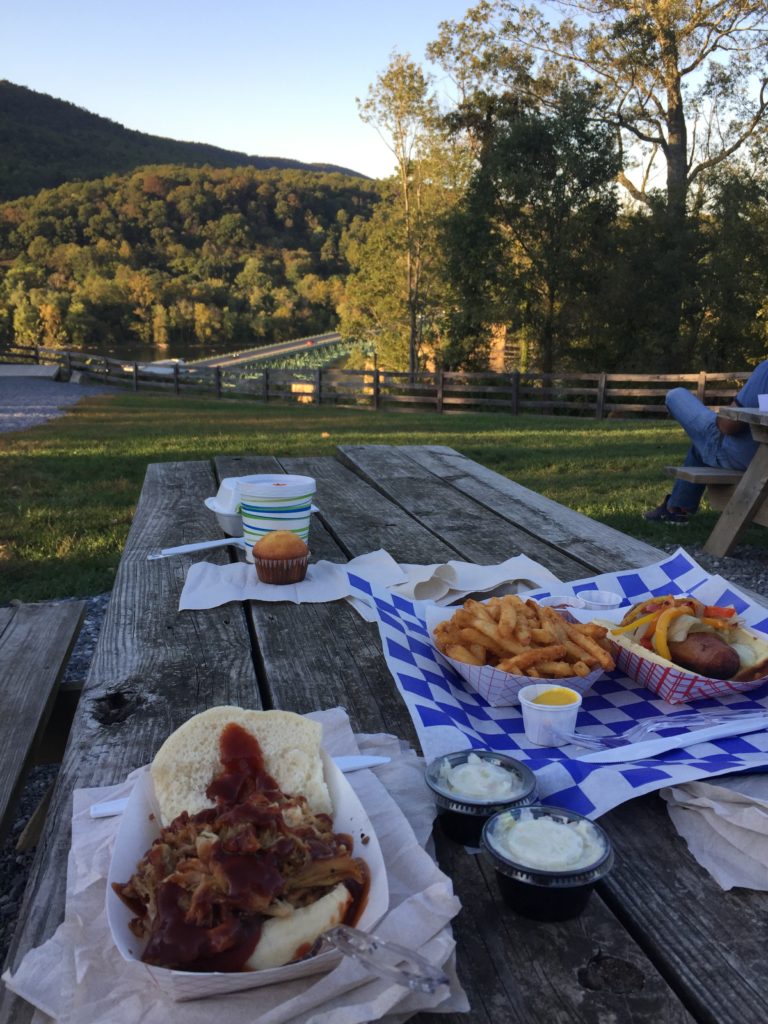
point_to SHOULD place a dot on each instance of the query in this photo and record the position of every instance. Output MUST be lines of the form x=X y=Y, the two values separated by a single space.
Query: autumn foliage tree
x=684 y=85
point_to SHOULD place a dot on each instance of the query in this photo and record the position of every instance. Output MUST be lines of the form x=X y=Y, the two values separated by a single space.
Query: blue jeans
x=708 y=446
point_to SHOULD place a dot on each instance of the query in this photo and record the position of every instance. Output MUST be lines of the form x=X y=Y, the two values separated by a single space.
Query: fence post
x=600 y=403
x=135 y=375
x=176 y=387
x=317 y=385
x=68 y=364
x=106 y=368
x=376 y=387
x=439 y=393
x=37 y=354
x=514 y=398
x=266 y=384
x=701 y=386
x=217 y=379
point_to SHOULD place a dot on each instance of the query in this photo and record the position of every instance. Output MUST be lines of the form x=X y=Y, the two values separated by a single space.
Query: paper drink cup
x=277 y=491
x=544 y=723
x=762 y=402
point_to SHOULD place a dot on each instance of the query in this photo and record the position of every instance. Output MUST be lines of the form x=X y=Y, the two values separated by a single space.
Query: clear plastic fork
x=692 y=720
x=387 y=960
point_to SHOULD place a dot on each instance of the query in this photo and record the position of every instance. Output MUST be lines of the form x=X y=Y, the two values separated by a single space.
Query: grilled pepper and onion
x=706 y=639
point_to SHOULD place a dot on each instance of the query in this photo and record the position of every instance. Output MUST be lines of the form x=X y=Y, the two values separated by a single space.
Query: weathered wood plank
x=704 y=474
x=712 y=942
x=755 y=417
x=516 y=970
x=477 y=534
x=152 y=669
x=363 y=519
x=325 y=655
x=35 y=644
x=569 y=543
x=315 y=656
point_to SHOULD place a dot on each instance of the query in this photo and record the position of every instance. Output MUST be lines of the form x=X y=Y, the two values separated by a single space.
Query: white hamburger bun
x=189 y=760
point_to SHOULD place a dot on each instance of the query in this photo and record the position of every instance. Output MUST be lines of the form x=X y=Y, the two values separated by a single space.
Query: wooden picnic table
x=746 y=500
x=659 y=940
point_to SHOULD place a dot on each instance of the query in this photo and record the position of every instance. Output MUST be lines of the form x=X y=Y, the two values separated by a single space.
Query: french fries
x=524 y=639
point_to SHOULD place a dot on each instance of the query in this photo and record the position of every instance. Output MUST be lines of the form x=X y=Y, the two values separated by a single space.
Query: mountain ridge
x=46 y=142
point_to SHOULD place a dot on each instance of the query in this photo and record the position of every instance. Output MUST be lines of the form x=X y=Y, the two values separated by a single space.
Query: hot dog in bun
x=705 y=639
x=247 y=871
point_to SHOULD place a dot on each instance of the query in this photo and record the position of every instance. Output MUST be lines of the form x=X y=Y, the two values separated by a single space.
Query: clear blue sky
x=274 y=78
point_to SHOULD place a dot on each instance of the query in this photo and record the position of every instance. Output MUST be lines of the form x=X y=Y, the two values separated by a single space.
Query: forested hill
x=45 y=142
x=204 y=259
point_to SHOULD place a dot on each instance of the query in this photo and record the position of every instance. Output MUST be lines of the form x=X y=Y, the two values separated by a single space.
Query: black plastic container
x=541 y=894
x=462 y=817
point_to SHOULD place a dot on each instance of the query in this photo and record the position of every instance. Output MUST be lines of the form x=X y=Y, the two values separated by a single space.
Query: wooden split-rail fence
x=599 y=395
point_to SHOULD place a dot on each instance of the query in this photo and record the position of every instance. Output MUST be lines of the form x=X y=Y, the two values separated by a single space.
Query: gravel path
x=26 y=401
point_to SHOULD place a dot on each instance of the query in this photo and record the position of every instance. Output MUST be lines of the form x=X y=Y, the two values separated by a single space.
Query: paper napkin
x=725 y=824
x=208 y=585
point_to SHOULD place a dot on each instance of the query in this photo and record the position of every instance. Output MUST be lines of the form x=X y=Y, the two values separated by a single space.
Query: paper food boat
x=670 y=682
x=138 y=829
x=676 y=685
x=499 y=689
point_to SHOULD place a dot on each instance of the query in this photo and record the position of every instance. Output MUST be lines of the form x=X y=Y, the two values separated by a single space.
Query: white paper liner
x=138 y=830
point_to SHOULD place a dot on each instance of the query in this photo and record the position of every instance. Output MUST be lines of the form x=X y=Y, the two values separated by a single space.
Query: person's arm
x=730 y=427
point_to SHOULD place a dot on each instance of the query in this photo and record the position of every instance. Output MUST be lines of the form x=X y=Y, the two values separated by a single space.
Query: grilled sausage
x=706 y=654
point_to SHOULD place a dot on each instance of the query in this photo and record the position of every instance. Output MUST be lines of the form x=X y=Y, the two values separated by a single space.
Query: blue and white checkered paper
x=448 y=716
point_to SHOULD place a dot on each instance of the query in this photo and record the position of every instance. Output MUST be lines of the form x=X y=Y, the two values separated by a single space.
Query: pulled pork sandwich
x=683 y=631
x=247 y=871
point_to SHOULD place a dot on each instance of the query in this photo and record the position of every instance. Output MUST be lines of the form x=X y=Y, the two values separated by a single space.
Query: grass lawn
x=70 y=486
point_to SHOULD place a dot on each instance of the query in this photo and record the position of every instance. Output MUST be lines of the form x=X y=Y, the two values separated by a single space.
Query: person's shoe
x=664 y=513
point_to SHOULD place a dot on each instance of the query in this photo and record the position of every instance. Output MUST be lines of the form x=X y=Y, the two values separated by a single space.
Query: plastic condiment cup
x=537 y=892
x=462 y=816
x=762 y=403
x=545 y=722
x=561 y=601
x=600 y=599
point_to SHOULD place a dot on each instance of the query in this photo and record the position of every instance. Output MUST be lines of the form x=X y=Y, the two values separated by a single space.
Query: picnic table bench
x=740 y=497
x=658 y=942
x=35 y=643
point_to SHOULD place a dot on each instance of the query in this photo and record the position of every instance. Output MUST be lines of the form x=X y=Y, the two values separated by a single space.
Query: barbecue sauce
x=245 y=794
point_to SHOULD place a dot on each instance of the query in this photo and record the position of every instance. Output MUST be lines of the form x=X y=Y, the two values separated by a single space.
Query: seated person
x=715 y=441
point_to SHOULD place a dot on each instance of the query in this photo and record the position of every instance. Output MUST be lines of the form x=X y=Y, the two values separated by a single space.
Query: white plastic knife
x=345 y=763
x=660 y=744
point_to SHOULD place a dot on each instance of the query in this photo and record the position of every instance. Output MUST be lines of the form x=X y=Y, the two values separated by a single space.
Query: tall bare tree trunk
x=677 y=253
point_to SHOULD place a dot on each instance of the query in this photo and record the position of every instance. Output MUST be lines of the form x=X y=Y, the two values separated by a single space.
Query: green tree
x=398 y=296
x=683 y=81
x=540 y=204
x=399 y=106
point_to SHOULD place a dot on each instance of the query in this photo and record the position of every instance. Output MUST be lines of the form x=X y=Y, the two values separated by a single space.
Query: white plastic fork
x=696 y=720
